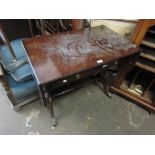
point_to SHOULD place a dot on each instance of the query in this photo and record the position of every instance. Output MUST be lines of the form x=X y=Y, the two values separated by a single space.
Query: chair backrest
x=4 y=39
x=12 y=29
x=15 y=28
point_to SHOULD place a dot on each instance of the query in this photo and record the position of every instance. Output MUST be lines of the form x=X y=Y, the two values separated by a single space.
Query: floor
x=85 y=111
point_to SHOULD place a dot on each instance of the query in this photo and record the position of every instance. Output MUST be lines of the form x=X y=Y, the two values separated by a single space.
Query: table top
x=59 y=55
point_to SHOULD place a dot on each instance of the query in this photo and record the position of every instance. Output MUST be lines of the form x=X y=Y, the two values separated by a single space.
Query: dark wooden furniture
x=51 y=26
x=77 y=24
x=63 y=62
x=138 y=82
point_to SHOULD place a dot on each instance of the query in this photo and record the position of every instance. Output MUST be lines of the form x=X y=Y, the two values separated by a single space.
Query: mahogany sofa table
x=64 y=61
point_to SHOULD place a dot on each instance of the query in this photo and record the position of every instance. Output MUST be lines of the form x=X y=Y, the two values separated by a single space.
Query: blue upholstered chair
x=18 y=73
x=18 y=69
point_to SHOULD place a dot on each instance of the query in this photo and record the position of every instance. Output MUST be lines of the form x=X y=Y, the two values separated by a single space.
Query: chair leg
x=18 y=109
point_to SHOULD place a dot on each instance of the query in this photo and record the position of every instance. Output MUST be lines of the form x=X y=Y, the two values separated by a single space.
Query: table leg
x=43 y=95
x=52 y=111
x=47 y=99
x=105 y=84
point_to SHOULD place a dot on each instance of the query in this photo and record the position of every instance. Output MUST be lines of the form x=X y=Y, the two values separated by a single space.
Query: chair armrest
x=1 y=71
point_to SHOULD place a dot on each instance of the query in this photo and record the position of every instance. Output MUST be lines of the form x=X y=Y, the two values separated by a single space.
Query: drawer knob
x=104 y=66
x=64 y=81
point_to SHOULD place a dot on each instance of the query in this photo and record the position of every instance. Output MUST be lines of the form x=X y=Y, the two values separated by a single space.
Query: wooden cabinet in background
x=136 y=78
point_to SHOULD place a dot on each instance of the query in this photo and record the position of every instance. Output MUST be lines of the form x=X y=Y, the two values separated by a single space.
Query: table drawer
x=77 y=76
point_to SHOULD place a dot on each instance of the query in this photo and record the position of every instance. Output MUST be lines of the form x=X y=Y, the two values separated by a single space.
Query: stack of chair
x=17 y=72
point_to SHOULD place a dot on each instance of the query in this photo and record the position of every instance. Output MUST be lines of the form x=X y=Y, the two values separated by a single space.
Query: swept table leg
x=50 y=102
x=105 y=84
x=52 y=111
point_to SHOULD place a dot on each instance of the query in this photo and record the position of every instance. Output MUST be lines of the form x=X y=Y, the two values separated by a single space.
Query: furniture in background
x=52 y=26
x=16 y=73
x=137 y=82
x=78 y=24
x=66 y=61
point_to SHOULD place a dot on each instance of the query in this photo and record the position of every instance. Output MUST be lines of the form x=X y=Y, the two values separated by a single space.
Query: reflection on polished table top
x=55 y=56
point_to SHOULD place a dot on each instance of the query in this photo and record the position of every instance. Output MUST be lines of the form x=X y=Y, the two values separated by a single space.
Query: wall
x=122 y=27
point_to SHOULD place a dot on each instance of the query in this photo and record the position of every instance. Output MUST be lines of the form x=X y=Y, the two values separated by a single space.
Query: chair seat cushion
x=22 y=73
x=5 y=56
x=22 y=90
